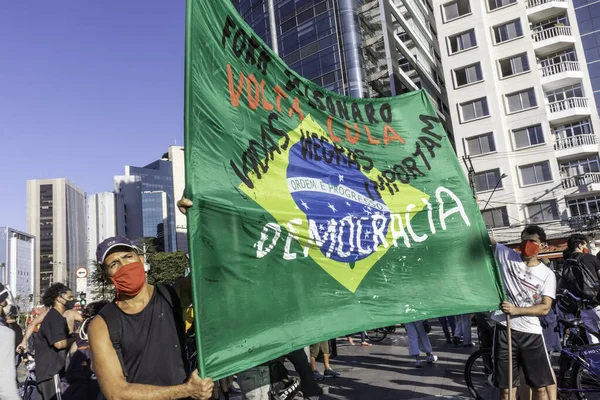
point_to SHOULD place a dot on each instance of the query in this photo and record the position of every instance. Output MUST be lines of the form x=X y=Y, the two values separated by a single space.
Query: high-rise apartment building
x=56 y=216
x=358 y=48
x=17 y=264
x=523 y=111
x=146 y=203
x=588 y=19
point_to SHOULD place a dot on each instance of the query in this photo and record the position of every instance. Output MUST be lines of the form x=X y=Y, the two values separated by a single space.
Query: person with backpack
x=138 y=344
x=581 y=272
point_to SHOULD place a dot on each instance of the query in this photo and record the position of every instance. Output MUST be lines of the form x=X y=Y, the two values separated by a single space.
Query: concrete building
x=17 y=264
x=176 y=155
x=523 y=111
x=56 y=215
x=588 y=19
x=355 y=47
x=102 y=224
x=146 y=201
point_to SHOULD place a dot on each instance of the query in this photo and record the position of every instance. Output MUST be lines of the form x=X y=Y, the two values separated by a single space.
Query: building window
x=481 y=144
x=469 y=74
x=495 y=217
x=521 y=100
x=510 y=30
x=474 y=109
x=565 y=93
x=494 y=4
x=456 y=9
x=583 y=127
x=542 y=212
x=580 y=167
x=462 y=41
x=487 y=180
x=587 y=206
x=514 y=65
x=535 y=173
x=529 y=136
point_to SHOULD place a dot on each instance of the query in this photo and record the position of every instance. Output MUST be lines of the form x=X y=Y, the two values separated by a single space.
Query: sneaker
x=418 y=364
x=448 y=340
x=317 y=375
x=456 y=340
x=431 y=358
x=332 y=373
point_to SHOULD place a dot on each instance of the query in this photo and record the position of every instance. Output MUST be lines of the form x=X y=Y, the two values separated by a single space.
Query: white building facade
x=524 y=117
x=17 y=264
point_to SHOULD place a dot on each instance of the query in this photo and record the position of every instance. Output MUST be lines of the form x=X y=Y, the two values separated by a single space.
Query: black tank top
x=150 y=345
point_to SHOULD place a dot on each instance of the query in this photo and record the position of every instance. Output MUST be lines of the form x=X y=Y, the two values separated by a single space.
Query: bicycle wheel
x=585 y=380
x=479 y=376
x=376 y=335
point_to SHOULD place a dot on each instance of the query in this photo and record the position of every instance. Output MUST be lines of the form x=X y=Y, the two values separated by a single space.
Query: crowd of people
x=109 y=349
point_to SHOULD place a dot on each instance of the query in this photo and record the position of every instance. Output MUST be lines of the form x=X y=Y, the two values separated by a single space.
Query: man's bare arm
x=538 y=310
x=114 y=385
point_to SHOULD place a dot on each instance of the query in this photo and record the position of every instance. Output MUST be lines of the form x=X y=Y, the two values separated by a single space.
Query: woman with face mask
x=53 y=341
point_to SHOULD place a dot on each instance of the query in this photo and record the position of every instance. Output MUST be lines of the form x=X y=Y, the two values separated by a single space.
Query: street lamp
x=495 y=187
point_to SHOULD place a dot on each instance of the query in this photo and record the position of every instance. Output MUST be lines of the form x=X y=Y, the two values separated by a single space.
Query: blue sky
x=86 y=87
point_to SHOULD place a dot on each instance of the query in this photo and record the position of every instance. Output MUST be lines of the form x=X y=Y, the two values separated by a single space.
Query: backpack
x=283 y=385
x=111 y=316
x=578 y=280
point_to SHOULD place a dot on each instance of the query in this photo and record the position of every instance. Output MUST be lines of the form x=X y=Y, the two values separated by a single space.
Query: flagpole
x=510 y=359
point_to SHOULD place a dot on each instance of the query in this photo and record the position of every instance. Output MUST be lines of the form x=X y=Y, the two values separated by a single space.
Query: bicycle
x=378 y=334
x=577 y=371
x=27 y=388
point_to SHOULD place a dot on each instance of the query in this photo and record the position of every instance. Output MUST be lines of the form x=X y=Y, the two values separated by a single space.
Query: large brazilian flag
x=315 y=215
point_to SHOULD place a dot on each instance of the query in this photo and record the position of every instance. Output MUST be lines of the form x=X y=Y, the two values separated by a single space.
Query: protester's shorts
x=528 y=353
x=319 y=347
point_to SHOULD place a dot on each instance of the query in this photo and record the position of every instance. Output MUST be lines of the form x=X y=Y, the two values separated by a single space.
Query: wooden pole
x=510 y=359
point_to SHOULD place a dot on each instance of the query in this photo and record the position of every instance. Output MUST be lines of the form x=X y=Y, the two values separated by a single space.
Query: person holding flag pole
x=530 y=288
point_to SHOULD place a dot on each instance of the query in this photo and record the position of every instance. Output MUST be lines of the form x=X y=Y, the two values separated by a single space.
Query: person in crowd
x=81 y=381
x=8 y=373
x=418 y=341
x=448 y=322
x=138 y=342
x=31 y=331
x=12 y=313
x=53 y=342
x=577 y=245
x=315 y=349
x=363 y=339
x=530 y=288
x=464 y=333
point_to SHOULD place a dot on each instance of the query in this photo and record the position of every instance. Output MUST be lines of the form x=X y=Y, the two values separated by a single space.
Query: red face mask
x=586 y=250
x=130 y=279
x=529 y=248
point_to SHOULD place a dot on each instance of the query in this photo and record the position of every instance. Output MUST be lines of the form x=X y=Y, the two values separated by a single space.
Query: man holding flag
x=530 y=288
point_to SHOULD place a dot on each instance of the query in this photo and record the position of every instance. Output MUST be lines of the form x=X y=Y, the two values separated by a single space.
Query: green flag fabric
x=315 y=215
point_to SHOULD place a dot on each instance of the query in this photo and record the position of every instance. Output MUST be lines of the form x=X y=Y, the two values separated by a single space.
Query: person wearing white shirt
x=530 y=288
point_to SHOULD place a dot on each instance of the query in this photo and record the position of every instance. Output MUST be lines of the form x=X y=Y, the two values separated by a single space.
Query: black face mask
x=69 y=304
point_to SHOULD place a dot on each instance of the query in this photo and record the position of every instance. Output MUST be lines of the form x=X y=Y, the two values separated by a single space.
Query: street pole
x=493 y=191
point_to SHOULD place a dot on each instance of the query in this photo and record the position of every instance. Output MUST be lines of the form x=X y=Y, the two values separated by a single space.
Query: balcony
x=585 y=222
x=552 y=40
x=565 y=73
x=584 y=183
x=568 y=109
x=544 y=9
x=576 y=145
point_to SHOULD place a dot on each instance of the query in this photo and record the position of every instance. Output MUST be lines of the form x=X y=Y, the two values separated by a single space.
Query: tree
x=166 y=268
x=101 y=287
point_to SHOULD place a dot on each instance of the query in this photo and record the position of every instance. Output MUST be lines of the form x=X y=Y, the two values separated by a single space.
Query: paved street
x=385 y=371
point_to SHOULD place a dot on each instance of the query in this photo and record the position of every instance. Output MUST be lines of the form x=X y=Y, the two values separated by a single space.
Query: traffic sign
x=81 y=272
